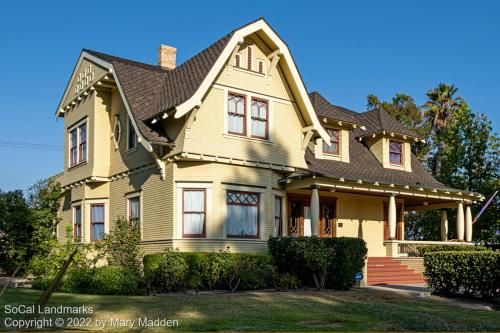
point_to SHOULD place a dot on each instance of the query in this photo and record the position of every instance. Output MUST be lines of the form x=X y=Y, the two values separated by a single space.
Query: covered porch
x=328 y=207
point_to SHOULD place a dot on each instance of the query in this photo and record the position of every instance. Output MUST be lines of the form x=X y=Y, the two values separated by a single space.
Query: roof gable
x=378 y=120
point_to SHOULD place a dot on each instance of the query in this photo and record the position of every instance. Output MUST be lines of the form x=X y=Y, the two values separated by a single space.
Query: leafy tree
x=439 y=108
x=15 y=230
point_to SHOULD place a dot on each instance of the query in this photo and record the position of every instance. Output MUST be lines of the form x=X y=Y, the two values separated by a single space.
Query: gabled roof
x=324 y=109
x=378 y=120
x=141 y=85
x=364 y=166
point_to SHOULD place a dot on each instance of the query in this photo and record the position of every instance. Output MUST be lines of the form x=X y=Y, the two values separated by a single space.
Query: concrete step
x=386 y=270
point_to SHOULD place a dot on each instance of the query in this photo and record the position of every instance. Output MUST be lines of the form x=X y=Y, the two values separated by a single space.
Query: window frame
x=130 y=127
x=279 y=232
x=244 y=116
x=76 y=128
x=129 y=210
x=401 y=153
x=339 y=139
x=257 y=236
x=204 y=233
x=75 y=207
x=92 y=222
x=237 y=60
x=249 y=57
x=260 y=66
x=252 y=118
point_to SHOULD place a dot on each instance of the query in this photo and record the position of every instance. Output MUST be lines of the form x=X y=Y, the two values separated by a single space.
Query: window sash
x=193 y=212
x=242 y=216
x=236 y=110
x=97 y=220
x=134 y=211
x=395 y=152
x=73 y=145
x=334 y=147
x=82 y=147
x=77 y=225
x=260 y=111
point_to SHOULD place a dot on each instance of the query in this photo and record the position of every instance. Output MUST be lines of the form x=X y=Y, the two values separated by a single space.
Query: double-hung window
x=97 y=222
x=396 y=152
x=242 y=214
x=194 y=212
x=77 y=222
x=236 y=114
x=334 y=146
x=78 y=144
x=134 y=212
x=259 y=118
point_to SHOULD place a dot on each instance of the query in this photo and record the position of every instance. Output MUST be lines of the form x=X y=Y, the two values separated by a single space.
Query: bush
x=173 y=270
x=470 y=273
x=461 y=248
x=307 y=257
x=108 y=280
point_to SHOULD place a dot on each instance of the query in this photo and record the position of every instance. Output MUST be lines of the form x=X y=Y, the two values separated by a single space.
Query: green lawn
x=357 y=310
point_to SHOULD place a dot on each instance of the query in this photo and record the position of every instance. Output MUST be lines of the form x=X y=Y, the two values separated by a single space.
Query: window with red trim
x=261 y=66
x=237 y=60
x=242 y=214
x=249 y=58
x=236 y=110
x=259 y=118
x=82 y=146
x=334 y=147
x=395 y=152
x=73 y=156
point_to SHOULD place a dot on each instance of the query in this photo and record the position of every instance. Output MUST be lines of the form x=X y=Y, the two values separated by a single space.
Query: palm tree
x=439 y=108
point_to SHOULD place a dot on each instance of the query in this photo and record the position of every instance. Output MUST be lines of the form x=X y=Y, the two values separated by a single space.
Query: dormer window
x=334 y=147
x=396 y=152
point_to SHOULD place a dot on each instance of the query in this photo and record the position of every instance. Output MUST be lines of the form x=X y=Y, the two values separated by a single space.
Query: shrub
x=110 y=280
x=250 y=272
x=307 y=257
x=470 y=273
x=216 y=268
x=171 y=273
x=435 y=248
x=286 y=281
x=194 y=261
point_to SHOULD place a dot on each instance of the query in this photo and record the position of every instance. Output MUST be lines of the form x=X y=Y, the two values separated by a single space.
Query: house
x=229 y=148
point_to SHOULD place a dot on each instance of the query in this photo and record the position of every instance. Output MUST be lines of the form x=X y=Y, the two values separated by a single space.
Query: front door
x=300 y=220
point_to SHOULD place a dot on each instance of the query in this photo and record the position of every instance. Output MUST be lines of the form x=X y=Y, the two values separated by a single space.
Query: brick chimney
x=166 y=56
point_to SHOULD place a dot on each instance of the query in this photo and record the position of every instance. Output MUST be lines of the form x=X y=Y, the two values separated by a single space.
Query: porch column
x=444 y=225
x=468 y=224
x=460 y=221
x=391 y=216
x=314 y=210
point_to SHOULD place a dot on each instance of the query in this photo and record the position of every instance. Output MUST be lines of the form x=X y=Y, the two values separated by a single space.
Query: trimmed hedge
x=308 y=257
x=173 y=271
x=470 y=273
x=109 y=280
x=459 y=248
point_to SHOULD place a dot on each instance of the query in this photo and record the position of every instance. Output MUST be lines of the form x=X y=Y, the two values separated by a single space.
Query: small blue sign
x=358 y=276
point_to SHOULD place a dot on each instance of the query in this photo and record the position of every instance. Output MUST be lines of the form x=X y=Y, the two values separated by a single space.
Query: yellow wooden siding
x=122 y=160
x=102 y=132
x=98 y=72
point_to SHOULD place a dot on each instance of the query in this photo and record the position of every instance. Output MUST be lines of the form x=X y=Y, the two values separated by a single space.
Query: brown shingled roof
x=323 y=108
x=364 y=166
x=378 y=120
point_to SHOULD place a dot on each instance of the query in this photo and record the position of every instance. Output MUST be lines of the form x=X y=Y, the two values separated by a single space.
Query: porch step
x=386 y=270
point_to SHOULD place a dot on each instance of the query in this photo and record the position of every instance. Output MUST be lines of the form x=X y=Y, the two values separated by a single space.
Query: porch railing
x=410 y=247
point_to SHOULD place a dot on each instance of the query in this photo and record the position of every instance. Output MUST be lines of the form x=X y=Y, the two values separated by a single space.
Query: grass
x=357 y=310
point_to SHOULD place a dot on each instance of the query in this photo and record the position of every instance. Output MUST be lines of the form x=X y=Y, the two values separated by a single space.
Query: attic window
x=249 y=58
x=396 y=152
x=237 y=60
x=260 y=63
x=334 y=147
x=117 y=131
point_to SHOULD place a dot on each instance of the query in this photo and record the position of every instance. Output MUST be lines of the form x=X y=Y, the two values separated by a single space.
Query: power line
x=29 y=145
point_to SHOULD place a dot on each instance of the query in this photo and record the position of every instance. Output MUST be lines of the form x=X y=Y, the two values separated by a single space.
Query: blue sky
x=344 y=49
